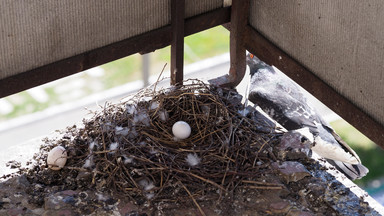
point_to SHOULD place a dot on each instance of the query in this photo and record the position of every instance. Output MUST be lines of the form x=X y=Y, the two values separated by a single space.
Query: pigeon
x=284 y=101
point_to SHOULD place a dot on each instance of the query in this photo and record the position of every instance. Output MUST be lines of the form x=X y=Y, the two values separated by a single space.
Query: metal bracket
x=239 y=20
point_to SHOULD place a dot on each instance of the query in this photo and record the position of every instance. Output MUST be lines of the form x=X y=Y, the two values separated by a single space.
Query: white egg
x=57 y=158
x=181 y=130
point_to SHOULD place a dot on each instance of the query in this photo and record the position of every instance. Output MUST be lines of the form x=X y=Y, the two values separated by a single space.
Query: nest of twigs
x=130 y=148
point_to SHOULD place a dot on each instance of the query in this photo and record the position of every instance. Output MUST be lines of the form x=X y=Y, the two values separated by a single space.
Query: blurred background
x=27 y=117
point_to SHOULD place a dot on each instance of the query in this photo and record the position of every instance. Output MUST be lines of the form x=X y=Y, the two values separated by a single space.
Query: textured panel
x=195 y=7
x=340 y=41
x=35 y=33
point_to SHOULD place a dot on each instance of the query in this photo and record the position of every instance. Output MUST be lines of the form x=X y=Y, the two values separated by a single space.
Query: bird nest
x=130 y=148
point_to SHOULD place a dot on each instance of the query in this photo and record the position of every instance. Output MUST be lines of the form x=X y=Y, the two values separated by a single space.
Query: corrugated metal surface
x=340 y=41
x=36 y=33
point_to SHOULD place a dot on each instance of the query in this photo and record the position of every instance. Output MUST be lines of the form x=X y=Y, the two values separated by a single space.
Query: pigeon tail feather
x=333 y=152
x=352 y=171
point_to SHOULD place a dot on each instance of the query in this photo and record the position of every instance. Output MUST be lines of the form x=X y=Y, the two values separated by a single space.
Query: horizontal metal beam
x=143 y=43
x=271 y=54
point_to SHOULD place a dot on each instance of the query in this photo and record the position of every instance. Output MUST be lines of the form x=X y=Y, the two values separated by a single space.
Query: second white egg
x=181 y=130
x=57 y=158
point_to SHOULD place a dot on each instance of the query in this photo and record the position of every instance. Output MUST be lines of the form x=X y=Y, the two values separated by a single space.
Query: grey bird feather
x=283 y=100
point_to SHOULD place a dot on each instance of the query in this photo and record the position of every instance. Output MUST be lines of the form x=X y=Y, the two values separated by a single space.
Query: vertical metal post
x=145 y=69
x=239 y=19
x=177 y=45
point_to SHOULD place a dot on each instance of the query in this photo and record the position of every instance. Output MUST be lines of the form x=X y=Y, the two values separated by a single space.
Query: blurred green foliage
x=197 y=47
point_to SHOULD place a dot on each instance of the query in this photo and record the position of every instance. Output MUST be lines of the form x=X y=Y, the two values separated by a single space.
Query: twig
x=263 y=187
x=193 y=199
x=260 y=183
x=201 y=178
x=158 y=78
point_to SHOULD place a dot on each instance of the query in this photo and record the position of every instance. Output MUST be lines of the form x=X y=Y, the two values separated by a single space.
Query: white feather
x=149 y=195
x=333 y=152
x=244 y=112
x=163 y=115
x=89 y=162
x=154 y=105
x=121 y=131
x=113 y=146
x=306 y=133
x=92 y=145
x=101 y=197
x=127 y=160
x=145 y=98
x=192 y=159
x=141 y=117
x=131 y=109
x=146 y=184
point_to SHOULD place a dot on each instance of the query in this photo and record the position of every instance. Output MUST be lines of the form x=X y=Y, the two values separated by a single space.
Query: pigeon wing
x=286 y=110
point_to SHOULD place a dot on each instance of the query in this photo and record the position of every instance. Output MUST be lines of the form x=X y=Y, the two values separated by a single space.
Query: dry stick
x=130 y=177
x=158 y=78
x=264 y=188
x=149 y=173
x=260 y=183
x=111 y=177
x=81 y=169
x=254 y=161
x=234 y=176
x=108 y=162
x=100 y=152
x=193 y=199
x=163 y=129
x=161 y=178
x=210 y=134
x=222 y=158
x=169 y=142
x=197 y=150
x=199 y=177
x=102 y=138
x=232 y=136
x=162 y=186
x=186 y=93
x=194 y=115
x=93 y=177
x=262 y=146
x=225 y=174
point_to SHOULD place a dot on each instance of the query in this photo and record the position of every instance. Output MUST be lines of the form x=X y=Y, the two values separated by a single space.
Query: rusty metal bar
x=195 y=24
x=177 y=44
x=271 y=54
x=144 y=43
x=239 y=19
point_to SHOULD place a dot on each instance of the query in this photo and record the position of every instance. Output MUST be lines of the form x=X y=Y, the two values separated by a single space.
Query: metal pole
x=177 y=44
x=145 y=69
